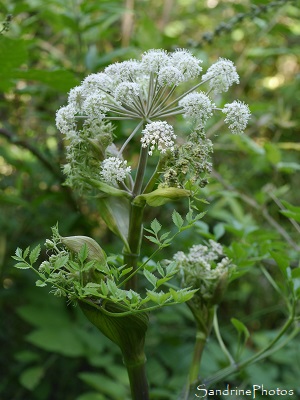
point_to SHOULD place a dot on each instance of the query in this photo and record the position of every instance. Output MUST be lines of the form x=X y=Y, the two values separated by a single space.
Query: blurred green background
x=48 y=350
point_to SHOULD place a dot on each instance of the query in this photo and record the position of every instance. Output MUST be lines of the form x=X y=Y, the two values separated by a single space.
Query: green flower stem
x=185 y=93
x=160 y=106
x=265 y=352
x=137 y=378
x=158 y=96
x=140 y=171
x=197 y=355
x=204 y=320
x=130 y=137
x=154 y=178
x=169 y=113
x=150 y=93
x=220 y=339
x=122 y=118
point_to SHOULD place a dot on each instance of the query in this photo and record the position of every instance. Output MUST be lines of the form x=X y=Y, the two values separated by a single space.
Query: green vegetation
x=250 y=205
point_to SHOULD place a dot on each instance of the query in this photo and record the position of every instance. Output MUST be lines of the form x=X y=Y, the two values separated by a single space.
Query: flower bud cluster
x=189 y=162
x=203 y=267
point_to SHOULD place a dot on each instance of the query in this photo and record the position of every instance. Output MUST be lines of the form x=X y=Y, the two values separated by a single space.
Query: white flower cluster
x=114 y=170
x=221 y=75
x=198 y=107
x=201 y=257
x=158 y=134
x=143 y=90
x=237 y=116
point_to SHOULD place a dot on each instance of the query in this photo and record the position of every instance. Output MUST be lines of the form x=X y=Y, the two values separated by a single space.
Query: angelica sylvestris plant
x=150 y=93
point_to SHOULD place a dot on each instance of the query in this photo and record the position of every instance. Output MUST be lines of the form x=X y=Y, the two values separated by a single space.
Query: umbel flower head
x=158 y=134
x=114 y=170
x=237 y=116
x=149 y=91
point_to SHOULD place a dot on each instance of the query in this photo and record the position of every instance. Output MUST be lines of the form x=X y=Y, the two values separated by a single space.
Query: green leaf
x=112 y=287
x=107 y=386
x=45 y=316
x=104 y=288
x=40 y=283
x=91 y=396
x=160 y=269
x=22 y=265
x=153 y=239
x=14 y=53
x=164 y=236
x=92 y=289
x=150 y=277
x=74 y=265
x=189 y=216
x=219 y=230
x=158 y=298
x=27 y=356
x=162 y=281
x=291 y=207
x=88 y=265
x=26 y=252
x=177 y=219
x=19 y=253
x=172 y=268
x=126 y=271
x=62 y=341
x=282 y=261
x=241 y=328
x=115 y=213
x=83 y=253
x=61 y=261
x=60 y=80
x=200 y=216
x=272 y=152
x=34 y=254
x=155 y=226
x=182 y=295
x=288 y=167
x=291 y=211
x=31 y=377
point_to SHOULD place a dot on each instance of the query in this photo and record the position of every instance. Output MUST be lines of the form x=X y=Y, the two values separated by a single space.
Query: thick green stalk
x=137 y=378
x=197 y=355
